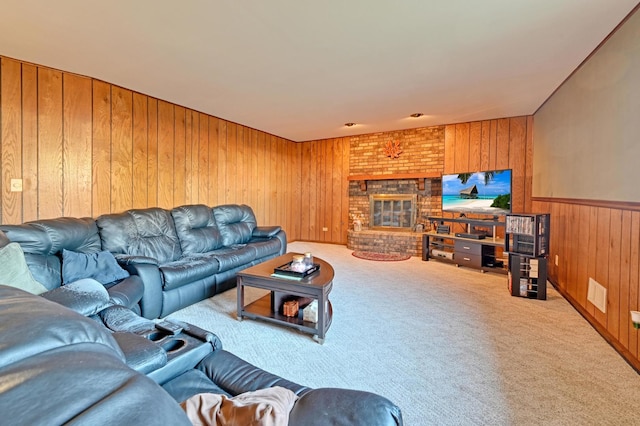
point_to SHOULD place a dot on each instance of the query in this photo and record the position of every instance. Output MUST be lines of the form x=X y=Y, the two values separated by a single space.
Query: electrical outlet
x=325 y=229
x=556 y=260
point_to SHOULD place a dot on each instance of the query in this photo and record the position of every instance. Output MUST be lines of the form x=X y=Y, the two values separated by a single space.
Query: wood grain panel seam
x=1 y=139
x=91 y=149
x=62 y=165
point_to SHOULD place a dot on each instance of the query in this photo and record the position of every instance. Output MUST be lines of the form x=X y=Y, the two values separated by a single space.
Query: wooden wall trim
x=621 y=205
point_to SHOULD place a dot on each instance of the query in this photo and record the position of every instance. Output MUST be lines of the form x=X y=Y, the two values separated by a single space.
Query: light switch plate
x=16 y=185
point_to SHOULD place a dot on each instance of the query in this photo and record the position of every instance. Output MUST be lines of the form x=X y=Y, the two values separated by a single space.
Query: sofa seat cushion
x=233 y=257
x=86 y=296
x=265 y=248
x=196 y=228
x=187 y=270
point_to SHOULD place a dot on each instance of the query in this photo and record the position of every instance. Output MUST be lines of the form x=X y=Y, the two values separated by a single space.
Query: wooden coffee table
x=315 y=286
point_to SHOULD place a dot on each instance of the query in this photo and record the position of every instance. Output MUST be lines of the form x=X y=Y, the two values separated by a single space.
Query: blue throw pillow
x=101 y=266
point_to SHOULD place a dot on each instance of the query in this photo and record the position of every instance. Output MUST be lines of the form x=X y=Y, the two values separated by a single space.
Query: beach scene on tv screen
x=486 y=192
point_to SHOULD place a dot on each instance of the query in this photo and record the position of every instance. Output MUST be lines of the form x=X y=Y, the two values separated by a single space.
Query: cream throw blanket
x=264 y=407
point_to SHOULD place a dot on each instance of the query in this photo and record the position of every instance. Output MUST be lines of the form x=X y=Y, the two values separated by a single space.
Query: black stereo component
x=471 y=236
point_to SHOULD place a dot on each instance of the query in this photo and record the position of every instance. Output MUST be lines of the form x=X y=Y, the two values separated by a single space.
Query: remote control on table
x=168 y=327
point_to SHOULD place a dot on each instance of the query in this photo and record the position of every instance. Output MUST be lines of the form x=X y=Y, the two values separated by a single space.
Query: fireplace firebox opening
x=392 y=212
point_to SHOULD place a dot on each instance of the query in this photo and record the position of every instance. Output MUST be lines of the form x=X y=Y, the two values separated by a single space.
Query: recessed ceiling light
x=417 y=114
x=349 y=124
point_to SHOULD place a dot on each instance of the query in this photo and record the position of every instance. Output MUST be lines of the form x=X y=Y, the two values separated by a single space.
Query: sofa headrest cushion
x=141 y=232
x=197 y=229
x=51 y=236
x=236 y=223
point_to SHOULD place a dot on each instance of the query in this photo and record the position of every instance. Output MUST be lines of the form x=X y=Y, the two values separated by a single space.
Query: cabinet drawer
x=466 y=259
x=468 y=247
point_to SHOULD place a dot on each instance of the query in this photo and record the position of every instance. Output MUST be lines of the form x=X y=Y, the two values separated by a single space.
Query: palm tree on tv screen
x=488 y=176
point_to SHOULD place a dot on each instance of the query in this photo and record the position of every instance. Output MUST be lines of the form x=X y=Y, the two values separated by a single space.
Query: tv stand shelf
x=478 y=253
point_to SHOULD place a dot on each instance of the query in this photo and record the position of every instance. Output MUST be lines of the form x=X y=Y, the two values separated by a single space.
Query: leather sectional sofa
x=175 y=257
x=60 y=367
x=80 y=353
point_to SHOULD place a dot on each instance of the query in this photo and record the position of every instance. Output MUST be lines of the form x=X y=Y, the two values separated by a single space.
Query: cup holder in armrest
x=155 y=336
x=174 y=345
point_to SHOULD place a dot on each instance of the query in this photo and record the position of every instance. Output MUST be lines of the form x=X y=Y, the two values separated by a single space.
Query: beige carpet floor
x=449 y=345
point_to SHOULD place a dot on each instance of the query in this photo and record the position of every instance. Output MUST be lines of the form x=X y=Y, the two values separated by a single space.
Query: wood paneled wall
x=592 y=240
x=324 y=193
x=505 y=143
x=84 y=147
x=483 y=145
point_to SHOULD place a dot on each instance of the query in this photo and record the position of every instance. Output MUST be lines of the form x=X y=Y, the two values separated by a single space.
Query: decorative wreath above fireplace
x=392 y=149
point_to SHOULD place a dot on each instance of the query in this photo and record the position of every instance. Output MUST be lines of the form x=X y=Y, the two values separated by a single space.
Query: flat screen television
x=485 y=192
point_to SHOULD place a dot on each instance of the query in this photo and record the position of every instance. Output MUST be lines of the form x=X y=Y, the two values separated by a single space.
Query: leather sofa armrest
x=266 y=231
x=235 y=375
x=199 y=333
x=127 y=292
x=126 y=260
x=149 y=273
x=280 y=235
x=328 y=406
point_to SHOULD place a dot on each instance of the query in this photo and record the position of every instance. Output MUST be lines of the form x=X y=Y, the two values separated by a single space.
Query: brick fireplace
x=415 y=173
x=427 y=201
x=391 y=239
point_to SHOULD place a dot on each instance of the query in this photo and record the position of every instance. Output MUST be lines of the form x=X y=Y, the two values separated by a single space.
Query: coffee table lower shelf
x=262 y=309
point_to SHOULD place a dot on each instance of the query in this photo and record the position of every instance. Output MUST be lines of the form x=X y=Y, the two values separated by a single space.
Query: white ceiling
x=300 y=69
